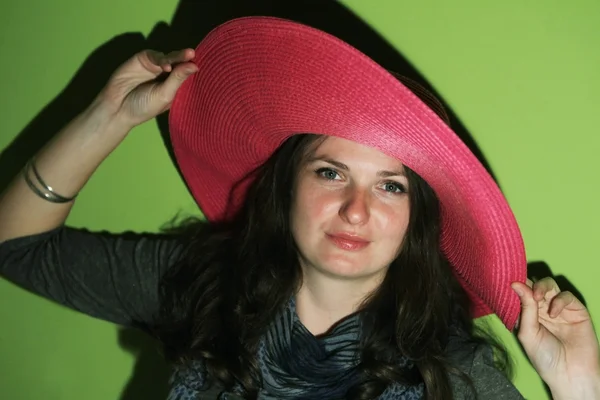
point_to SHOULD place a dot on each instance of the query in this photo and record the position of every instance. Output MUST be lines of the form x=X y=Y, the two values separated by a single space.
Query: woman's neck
x=323 y=301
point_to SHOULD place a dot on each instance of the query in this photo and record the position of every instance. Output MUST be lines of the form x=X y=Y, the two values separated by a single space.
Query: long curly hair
x=237 y=275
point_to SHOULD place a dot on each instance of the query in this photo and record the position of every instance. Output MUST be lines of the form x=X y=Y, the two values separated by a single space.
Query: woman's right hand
x=134 y=93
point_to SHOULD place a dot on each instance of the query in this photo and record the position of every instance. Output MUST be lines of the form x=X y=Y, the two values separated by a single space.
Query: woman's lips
x=348 y=242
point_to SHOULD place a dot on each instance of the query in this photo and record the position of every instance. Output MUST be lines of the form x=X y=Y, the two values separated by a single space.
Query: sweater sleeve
x=113 y=277
x=488 y=381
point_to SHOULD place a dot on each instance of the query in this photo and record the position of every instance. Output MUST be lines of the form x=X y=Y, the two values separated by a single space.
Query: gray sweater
x=114 y=277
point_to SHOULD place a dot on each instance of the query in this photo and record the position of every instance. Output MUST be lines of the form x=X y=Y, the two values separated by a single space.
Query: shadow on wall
x=150 y=376
x=192 y=20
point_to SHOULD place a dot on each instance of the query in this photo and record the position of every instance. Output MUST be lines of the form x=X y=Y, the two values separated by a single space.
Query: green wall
x=522 y=77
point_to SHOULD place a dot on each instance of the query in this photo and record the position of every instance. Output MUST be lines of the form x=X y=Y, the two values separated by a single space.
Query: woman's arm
x=65 y=165
x=110 y=276
x=41 y=198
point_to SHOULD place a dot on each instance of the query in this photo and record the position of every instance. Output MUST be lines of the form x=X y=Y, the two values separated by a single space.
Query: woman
x=352 y=237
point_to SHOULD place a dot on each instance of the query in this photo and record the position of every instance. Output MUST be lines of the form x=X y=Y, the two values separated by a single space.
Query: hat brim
x=264 y=79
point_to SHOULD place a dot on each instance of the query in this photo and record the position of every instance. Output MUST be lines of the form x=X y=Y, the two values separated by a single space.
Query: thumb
x=529 y=325
x=180 y=73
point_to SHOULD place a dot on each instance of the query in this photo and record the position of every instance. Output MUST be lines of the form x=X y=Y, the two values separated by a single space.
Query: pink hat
x=264 y=79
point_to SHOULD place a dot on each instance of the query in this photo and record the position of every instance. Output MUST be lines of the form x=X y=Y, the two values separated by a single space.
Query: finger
x=155 y=58
x=161 y=60
x=180 y=56
x=545 y=288
x=528 y=324
x=180 y=73
x=150 y=60
x=562 y=301
x=167 y=61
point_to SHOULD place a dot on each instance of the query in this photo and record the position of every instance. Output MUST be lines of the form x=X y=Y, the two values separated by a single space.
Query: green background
x=521 y=75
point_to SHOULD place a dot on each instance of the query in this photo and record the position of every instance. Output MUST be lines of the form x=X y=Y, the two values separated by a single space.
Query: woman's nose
x=355 y=208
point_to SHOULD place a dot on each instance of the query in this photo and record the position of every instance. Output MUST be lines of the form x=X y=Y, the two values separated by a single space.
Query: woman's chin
x=343 y=268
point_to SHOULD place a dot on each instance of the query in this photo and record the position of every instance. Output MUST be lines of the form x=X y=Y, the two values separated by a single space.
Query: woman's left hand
x=558 y=336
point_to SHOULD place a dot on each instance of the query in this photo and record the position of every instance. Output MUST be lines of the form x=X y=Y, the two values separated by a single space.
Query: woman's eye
x=394 y=187
x=327 y=173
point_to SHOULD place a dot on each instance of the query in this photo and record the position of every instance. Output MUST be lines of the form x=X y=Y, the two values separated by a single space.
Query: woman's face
x=350 y=210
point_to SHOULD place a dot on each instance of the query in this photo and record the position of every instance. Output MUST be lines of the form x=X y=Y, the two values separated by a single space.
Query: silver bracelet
x=49 y=194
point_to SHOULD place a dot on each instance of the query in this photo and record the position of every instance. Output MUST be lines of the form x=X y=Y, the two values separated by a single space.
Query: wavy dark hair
x=235 y=277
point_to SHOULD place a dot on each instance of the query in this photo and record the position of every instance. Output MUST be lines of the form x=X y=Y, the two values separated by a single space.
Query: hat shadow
x=192 y=20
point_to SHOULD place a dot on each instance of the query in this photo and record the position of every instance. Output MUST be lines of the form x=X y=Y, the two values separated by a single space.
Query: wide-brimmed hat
x=264 y=79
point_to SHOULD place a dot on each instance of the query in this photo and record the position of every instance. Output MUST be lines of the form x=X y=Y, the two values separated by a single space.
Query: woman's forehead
x=341 y=148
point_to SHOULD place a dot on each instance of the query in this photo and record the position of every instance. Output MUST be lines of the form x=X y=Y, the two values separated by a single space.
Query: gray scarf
x=296 y=365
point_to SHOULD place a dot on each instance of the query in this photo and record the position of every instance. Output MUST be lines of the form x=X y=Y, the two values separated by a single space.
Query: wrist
x=582 y=388
x=104 y=118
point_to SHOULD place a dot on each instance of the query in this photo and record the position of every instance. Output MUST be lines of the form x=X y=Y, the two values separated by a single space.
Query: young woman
x=352 y=238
